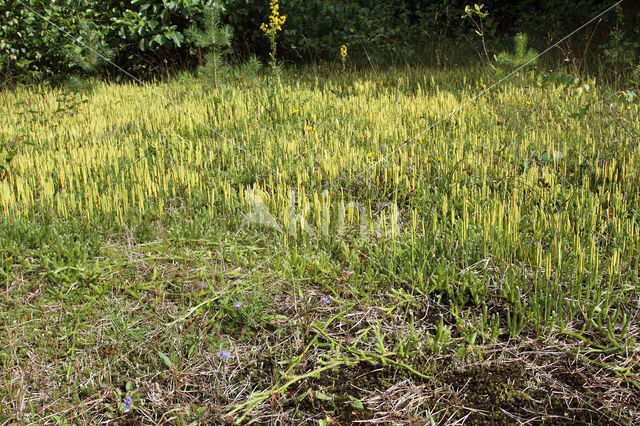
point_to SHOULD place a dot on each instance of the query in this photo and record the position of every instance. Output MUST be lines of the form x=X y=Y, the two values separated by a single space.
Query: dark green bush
x=29 y=45
x=47 y=40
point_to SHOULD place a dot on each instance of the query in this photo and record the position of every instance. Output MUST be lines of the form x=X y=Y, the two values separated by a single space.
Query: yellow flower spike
x=527 y=103
x=275 y=21
x=484 y=86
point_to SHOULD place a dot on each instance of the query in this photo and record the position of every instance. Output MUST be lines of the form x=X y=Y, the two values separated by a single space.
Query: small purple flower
x=325 y=300
x=126 y=404
x=223 y=354
x=238 y=305
x=410 y=168
x=202 y=285
x=348 y=272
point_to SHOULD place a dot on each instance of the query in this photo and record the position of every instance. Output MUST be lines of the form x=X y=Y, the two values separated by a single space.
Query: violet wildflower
x=126 y=404
x=223 y=354
x=238 y=305
x=348 y=272
x=410 y=168
x=325 y=300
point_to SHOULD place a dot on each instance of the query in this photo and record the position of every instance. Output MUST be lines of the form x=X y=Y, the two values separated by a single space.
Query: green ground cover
x=324 y=246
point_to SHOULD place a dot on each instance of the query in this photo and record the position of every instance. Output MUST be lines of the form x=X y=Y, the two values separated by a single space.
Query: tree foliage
x=49 y=40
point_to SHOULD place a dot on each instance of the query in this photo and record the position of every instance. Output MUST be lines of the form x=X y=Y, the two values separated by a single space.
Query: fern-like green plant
x=211 y=34
x=521 y=57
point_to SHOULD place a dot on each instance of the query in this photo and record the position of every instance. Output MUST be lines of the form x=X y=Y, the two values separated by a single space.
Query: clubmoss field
x=324 y=246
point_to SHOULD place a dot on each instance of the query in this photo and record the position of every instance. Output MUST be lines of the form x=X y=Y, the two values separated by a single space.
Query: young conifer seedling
x=211 y=34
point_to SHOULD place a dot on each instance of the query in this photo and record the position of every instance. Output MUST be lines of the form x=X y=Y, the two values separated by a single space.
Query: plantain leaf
x=165 y=359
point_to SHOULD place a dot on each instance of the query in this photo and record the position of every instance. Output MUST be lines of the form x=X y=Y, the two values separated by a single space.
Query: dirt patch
x=490 y=393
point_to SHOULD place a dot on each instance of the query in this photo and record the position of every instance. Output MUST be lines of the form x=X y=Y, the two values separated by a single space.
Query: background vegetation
x=150 y=37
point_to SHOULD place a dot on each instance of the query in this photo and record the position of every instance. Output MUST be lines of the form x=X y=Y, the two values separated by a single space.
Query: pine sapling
x=211 y=34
